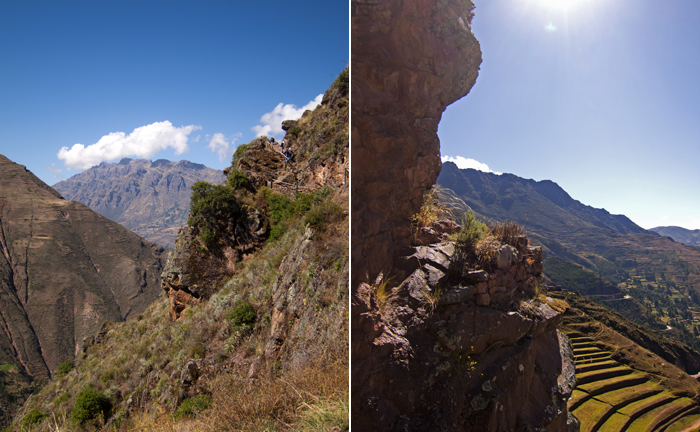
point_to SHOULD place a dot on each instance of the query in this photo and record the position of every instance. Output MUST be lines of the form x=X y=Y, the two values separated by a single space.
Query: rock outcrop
x=449 y=349
x=150 y=198
x=410 y=59
x=192 y=272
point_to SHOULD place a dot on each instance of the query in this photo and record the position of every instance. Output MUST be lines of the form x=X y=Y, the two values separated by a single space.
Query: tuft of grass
x=507 y=232
x=430 y=211
x=190 y=407
x=382 y=290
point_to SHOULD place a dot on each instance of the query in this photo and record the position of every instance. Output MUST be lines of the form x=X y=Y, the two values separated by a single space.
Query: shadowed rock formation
x=410 y=59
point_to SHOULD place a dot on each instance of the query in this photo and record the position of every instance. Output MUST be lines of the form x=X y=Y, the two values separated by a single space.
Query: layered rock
x=437 y=344
x=410 y=59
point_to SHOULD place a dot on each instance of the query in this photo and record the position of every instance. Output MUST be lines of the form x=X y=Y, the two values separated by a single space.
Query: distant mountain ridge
x=682 y=235
x=150 y=198
x=542 y=205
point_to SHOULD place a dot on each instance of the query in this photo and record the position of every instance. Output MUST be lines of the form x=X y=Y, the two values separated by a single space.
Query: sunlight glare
x=562 y=4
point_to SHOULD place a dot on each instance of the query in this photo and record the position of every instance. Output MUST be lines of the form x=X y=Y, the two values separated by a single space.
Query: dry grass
x=312 y=398
x=507 y=232
x=430 y=211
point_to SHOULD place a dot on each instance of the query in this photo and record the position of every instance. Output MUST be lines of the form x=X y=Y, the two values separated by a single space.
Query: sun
x=562 y=4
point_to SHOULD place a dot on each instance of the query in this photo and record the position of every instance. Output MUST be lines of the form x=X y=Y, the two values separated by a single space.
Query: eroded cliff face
x=410 y=59
x=437 y=345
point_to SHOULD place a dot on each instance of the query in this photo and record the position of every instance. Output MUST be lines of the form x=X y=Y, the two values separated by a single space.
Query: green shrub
x=296 y=130
x=89 y=404
x=192 y=406
x=65 y=367
x=238 y=180
x=242 y=314
x=283 y=210
x=472 y=230
x=239 y=152
x=33 y=417
x=342 y=83
x=322 y=213
x=211 y=207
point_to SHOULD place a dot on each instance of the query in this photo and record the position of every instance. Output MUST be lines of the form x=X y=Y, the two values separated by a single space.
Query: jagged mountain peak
x=150 y=198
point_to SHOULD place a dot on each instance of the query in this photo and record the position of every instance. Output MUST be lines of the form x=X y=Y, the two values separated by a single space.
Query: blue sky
x=159 y=79
x=600 y=96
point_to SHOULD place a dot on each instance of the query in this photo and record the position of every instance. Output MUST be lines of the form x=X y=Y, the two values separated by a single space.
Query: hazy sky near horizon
x=158 y=79
x=600 y=96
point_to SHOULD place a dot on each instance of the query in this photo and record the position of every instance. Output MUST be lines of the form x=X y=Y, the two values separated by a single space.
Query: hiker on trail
x=272 y=140
x=288 y=154
x=282 y=143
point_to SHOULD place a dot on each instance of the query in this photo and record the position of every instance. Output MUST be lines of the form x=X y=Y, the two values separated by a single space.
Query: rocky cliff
x=64 y=270
x=410 y=59
x=150 y=198
x=441 y=340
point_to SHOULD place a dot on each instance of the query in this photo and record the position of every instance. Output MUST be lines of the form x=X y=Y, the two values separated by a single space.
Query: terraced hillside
x=611 y=396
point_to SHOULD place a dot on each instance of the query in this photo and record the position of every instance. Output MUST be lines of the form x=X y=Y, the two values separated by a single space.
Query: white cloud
x=219 y=144
x=272 y=121
x=550 y=27
x=464 y=163
x=143 y=142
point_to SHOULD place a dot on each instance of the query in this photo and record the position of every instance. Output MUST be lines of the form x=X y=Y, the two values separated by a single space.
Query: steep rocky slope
x=441 y=340
x=251 y=332
x=64 y=269
x=150 y=198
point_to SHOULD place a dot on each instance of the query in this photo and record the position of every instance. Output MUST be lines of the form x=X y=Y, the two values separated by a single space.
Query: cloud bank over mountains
x=146 y=141
x=143 y=142
x=464 y=163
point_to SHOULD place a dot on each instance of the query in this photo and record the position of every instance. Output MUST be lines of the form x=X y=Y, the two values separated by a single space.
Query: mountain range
x=661 y=276
x=150 y=198
x=682 y=235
